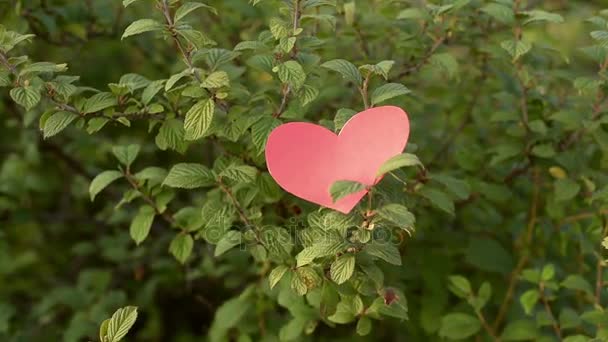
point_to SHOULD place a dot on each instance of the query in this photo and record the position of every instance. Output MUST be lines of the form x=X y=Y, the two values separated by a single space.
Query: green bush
x=133 y=173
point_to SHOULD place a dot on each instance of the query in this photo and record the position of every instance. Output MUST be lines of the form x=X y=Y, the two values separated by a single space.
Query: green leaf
x=347 y=69
x=500 y=12
x=460 y=188
x=516 y=48
x=122 y=320
x=102 y=180
x=188 y=7
x=43 y=67
x=520 y=330
x=141 y=26
x=292 y=73
x=240 y=173
x=307 y=94
x=529 y=299
x=140 y=226
x=566 y=189
x=397 y=214
x=342 y=269
x=126 y=3
x=126 y=154
x=189 y=176
x=388 y=91
x=384 y=250
x=57 y=123
x=216 y=79
x=27 y=97
x=99 y=102
x=279 y=28
x=5 y=79
x=412 y=13
x=364 y=326
x=446 y=62
x=343 y=188
x=276 y=274
x=231 y=239
x=261 y=130
x=181 y=247
x=540 y=15
x=601 y=37
x=439 y=199
x=152 y=173
x=577 y=282
x=342 y=116
x=460 y=286
x=397 y=162
x=458 y=326
x=198 y=119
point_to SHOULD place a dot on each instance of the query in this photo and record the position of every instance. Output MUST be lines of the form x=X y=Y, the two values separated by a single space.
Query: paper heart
x=306 y=159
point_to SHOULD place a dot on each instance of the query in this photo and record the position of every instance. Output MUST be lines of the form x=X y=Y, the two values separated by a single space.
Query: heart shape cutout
x=306 y=159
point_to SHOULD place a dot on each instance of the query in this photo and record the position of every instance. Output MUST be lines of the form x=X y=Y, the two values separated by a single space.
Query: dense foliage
x=135 y=200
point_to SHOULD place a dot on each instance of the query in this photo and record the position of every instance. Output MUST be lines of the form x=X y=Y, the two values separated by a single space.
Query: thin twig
x=525 y=255
x=235 y=202
x=486 y=326
x=146 y=197
x=543 y=299
x=412 y=69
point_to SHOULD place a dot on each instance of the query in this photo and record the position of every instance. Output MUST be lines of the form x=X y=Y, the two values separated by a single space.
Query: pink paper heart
x=306 y=159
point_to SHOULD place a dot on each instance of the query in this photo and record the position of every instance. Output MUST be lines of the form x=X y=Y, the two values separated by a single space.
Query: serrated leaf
x=43 y=67
x=540 y=15
x=278 y=28
x=342 y=268
x=307 y=94
x=231 y=239
x=120 y=323
x=181 y=247
x=188 y=7
x=240 y=173
x=500 y=12
x=126 y=3
x=343 y=188
x=347 y=69
x=171 y=135
x=458 y=326
x=516 y=48
x=99 y=102
x=384 y=250
x=446 y=62
x=126 y=154
x=412 y=13
x=27 y=97
x=292 y=73
x=261 y=130
x=398 y=215
x=102 y=180
x=57 y=122
x=397 y=162
x=140 y=226
x=189 y=176
x=141 y=26
x=216 y=79
x=276 y=274
x=439 y=199
x=388 y=91
x=198 y=119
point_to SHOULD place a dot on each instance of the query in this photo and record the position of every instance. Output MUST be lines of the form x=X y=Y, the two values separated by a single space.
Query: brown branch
x=412 y=69
x=235 y=202
x=525 y=255
x=486 y=326
x=545 y=302
x=166 y=215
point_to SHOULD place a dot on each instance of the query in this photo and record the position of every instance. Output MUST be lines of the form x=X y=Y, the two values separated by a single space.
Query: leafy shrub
x=142 y=181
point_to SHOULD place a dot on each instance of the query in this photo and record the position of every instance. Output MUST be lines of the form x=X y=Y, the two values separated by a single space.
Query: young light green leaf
x=276 y=274
x=216 y=79
x=140 y=226
x=122 y=320
x=101 y=181
x=388 y=91
x=398 y=215
x=540 y=15
x=529 y=299
x=399 y=161
x=342 y=268
x=198 y=119
x=240 y=173
x=43 y=67
x=343 y=188
x=516 y=48
x=189 y=176
x=141 y=26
